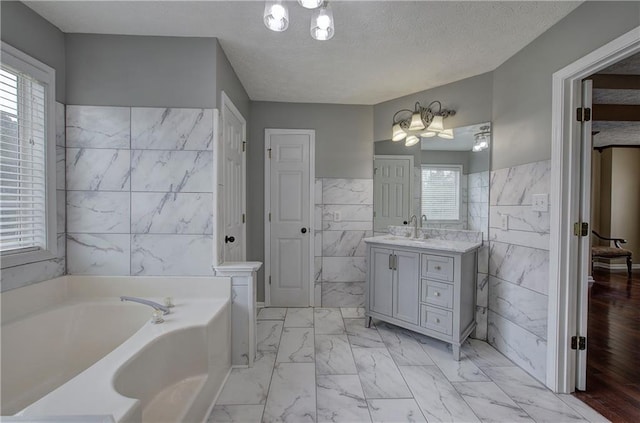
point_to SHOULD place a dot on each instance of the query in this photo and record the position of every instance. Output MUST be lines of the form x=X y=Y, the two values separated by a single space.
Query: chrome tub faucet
x=165 y=310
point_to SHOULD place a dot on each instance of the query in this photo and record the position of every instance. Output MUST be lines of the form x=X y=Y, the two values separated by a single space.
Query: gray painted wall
x=470 y=98
x=27 y=31
x=522 y=85
x=344 y=149
x=227 y=81
x=131 y=71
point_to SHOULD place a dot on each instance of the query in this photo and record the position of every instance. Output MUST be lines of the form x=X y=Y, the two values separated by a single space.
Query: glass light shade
x=322 y=23
x=437 y=124
x=276 y=15
x=428 y=134
x=483 y=144
x=446 y=134
x=310 y=4
x=398 y=133
x=416 y=122
x=476 y=148
x=411 y=140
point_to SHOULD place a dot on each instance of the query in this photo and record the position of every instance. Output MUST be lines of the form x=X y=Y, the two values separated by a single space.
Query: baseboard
x=615 y=266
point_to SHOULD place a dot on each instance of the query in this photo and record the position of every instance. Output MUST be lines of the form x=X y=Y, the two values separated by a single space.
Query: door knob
x=228 y=239
x=303 y=230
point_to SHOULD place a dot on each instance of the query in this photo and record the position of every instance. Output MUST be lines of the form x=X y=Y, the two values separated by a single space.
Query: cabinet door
x=380 y=281
x=406 y=291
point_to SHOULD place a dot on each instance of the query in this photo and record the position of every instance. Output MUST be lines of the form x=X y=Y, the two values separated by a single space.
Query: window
x=441 y=192
x=27 y=159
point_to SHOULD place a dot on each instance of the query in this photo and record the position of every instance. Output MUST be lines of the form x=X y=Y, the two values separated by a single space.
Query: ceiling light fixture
x=276 y=15
x=322 y=28
x=482 y=139
x=408 y=123
x=310 y=4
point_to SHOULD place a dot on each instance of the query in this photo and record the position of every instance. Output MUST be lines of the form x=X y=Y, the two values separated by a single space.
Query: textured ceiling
x=381 y=50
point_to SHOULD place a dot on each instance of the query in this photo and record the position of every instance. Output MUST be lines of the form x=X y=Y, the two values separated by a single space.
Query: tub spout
x=156 y=306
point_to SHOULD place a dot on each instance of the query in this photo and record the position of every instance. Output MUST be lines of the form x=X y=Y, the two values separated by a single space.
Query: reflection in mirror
x=444 y=181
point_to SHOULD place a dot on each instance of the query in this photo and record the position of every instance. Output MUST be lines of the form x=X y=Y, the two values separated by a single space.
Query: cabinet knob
x=437 y=294
x=437 y=320
x=438 y=268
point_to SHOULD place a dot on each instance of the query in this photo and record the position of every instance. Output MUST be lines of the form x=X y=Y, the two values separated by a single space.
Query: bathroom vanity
x=425 y=285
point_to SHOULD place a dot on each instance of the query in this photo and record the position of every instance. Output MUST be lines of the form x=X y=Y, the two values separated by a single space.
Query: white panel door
x=584 y=261
x=392 y=177
x=233 y=137
x=289 y=229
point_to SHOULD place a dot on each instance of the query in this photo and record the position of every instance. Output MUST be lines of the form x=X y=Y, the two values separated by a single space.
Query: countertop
x=428 y=243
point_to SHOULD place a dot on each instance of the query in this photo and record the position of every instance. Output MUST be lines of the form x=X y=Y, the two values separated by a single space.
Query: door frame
x=563 y=306
x=411 y=166
x=227 y=103
x=267 y=206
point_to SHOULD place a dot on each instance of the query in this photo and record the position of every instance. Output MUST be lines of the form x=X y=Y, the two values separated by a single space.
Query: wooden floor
x=613 y=346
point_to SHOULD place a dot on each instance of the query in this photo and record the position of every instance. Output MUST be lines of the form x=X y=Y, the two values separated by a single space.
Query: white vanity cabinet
x=423 y=288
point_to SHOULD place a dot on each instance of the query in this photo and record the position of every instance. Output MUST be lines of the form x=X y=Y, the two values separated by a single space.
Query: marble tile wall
x=478 y=220
x=343 y=218
x=18 y=276
x=519 y=266
x=139 y=191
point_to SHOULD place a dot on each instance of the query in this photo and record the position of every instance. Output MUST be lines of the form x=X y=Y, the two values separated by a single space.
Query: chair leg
x=629 y=266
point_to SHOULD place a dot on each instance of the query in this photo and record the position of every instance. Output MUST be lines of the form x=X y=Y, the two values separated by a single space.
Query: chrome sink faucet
x=423 y=219
x=414 y=219
x=165 y=310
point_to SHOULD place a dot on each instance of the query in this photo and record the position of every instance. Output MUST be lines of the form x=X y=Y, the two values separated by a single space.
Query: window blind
x=441 y=192
x=22 y=162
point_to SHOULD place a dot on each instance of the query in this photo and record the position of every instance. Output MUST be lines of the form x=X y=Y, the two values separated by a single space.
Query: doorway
x=568 y=287
x=233 y=176
x=289 y=234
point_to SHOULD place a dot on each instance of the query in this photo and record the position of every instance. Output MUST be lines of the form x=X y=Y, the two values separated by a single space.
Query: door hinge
x=269 y=280
x=578 y=343
x=375 y=170
x=374 y=214
x=581 y=229
x=269 y=216
x=583 y=114
x=269 y=150
x=244 y=146
x=244 y=218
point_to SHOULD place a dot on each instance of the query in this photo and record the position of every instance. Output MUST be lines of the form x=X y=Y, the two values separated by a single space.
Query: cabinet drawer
x=437 y=293
x=437 y=267
x=436 y=319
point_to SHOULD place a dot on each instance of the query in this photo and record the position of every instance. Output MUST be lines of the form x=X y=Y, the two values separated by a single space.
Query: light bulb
x=276 y=16
x=411 y=140
x=310 y=4
x=322 y=23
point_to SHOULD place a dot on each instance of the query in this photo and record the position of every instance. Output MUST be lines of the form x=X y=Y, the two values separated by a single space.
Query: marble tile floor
x=323 y=365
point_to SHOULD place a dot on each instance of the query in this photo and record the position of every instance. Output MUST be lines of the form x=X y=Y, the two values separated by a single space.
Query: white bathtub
x=70 y=348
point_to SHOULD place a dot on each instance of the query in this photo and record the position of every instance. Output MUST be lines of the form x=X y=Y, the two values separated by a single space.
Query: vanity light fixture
x=276 y=17
x=482 y=139
x=422 y=121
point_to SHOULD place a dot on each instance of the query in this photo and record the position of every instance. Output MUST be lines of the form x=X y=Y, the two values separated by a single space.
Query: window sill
x=21 y=259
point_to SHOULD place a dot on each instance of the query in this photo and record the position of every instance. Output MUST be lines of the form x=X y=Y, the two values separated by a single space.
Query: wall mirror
x=444 y=180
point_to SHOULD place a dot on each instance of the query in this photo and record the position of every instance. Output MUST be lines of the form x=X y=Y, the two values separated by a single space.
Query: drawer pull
x=437 y=320
x=438 y=268
x=437 y=294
